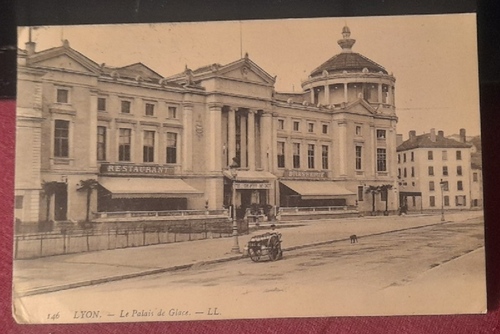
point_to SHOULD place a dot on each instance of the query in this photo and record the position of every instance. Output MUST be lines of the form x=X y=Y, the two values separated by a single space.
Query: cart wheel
x=254 y=254
x=274 y=249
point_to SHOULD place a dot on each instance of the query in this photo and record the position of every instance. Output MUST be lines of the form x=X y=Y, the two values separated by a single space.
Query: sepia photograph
x=248 y=169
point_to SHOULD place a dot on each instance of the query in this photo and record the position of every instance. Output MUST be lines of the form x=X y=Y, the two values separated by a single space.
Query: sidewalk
x=61 y=272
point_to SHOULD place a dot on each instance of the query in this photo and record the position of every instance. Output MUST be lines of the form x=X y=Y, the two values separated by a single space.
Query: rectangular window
x=19 y=202
x=101 y=143
x=413 y=201
x=61 y=138
x=404 y=172
x=125 y=107
x=325 y=129
x=360 y=193
x=101 y=104
x=444 y=155
x=446 y=200
x=445 y=170
x=430 y=156
x=383 y=195
x=404 y=157
x=172 y=112
x=459 y=155
x=148 y=149
x=310 y=127
x=149 y=109
x=124 y=144
x=432 y=201
x=62 y=95
x=310 y=156
x=413 y=172
x=431 y=186
x=431 y=171
x=281 y=124
x=296 y=126
x=296 y=155
x=459 y=170
x=381 y=134
x=381 y=160
x=475 y=177
x=324 y=156
x=460 y=200
x=358 y=157
x=281 y=154
x=460 y=185
x=399 y=173
x=412 y=156
x=399 y=158
x=358 y=130
x=171 y=148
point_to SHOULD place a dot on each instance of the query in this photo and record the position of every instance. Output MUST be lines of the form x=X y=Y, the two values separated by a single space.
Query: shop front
x=251 y=192
x=141 y=188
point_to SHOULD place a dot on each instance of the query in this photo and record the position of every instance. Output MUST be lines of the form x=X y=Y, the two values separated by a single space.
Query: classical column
x=379 y=93
x=214 y=150
x=312 y=95
x=231 y=134
x=243 y=140
x=251 y=139
x=342 y=147
x=327 y=94
x=265 y=136
x=345 y=92
x=373 y=149
x=187 y=137
x=93 y=130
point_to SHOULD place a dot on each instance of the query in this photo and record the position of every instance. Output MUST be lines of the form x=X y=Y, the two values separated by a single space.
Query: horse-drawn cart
x=265 y=244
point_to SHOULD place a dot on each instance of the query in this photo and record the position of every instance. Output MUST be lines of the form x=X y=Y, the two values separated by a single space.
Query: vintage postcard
x=248 y=169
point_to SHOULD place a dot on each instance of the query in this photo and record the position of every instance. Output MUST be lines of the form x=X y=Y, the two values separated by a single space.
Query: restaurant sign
x=251 y=185
x=145 y=170
x=298 y=174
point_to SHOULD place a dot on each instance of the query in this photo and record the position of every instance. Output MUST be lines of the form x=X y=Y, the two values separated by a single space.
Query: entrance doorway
x=61 y=202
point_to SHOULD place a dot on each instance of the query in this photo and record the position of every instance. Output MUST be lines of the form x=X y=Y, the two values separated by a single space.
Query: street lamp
x=236 y=247
x=442 y=183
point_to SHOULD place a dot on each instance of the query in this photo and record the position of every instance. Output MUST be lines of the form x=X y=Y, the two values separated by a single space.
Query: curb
x=43 y=290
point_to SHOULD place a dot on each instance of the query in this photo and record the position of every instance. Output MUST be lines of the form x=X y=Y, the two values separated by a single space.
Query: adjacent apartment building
x=205 y=138
x=434 y=172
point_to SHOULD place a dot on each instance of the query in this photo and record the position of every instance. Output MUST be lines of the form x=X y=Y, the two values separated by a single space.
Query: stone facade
x=221 y=134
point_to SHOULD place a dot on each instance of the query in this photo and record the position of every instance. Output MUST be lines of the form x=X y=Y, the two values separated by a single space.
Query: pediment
x=139 y=69
x=64 y=58
x=360 y=107
x=246 y=70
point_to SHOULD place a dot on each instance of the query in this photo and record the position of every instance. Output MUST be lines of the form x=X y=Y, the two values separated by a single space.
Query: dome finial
x=346 y=42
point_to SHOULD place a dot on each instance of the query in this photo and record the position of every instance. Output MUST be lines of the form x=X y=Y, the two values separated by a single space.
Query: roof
x=350 y=62
x=424 y=141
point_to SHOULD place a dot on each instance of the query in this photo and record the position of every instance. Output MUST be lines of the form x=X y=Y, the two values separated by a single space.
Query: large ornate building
x=186 y=142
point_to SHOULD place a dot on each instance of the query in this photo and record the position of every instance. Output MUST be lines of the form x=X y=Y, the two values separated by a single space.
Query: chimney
x=412 y=134
x=462 y=136
x=441 y=133
x=399 y=139
x=30 y=48
x=433 y=135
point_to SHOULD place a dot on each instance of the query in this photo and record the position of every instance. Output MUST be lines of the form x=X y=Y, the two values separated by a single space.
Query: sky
x=433 y=57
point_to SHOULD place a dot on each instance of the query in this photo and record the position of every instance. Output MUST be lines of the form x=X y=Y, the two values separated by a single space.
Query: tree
x=385 y=189
x=48 y=190
x=88 y=185
x=373 y=190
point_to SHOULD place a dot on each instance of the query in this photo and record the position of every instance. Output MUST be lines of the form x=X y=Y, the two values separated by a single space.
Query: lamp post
x=442 y=183
x=236 y=247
